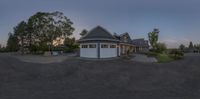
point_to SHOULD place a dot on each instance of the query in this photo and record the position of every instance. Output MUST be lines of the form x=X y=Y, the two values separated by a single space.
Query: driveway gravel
x=75 y=78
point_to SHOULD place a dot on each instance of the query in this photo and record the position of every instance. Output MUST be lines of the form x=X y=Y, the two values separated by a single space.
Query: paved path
x=43 y=59
x=143 y=58
x=109 y=79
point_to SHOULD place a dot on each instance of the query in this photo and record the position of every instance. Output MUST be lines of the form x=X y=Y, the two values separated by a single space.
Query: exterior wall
x=108 y=52
x=126 y=49
x=89 y=52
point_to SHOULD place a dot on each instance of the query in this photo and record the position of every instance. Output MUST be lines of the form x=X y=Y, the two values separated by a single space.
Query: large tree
x=153 y=38
x=46 y=27
x=12 y=43
x=20 y=31
x=83 y=32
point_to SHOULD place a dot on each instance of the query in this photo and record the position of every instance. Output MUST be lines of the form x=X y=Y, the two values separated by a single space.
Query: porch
x=126 y=49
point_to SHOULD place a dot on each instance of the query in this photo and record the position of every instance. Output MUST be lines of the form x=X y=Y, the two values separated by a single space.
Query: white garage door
x=88 y=50
x=108 y=50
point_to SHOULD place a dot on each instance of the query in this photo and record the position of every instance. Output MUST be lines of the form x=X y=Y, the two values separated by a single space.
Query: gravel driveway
x=109 y=79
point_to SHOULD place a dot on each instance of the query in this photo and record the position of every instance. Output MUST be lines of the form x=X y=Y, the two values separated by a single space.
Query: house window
x=92 y=46
x=84 y=46
x=125 y=39
x=104 y=46
x=112 y=46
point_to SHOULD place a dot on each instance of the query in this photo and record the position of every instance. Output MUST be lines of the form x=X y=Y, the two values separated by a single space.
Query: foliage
x=20 y=31
x=182 y=47
x=3 y=49
x=49 y=26
x=197 y=47
x=153 y=38
x=151 y=54
x=40 y=30
x=70 y=43
x=176 y=54
x=162 y=58
x=191 y=45
x=161 y=47
x=12 y=43
x=84 y=31
x=173 y=54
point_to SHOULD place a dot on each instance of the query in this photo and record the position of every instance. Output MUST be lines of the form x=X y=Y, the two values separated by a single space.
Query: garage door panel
x=88 y=52
x=108 y=52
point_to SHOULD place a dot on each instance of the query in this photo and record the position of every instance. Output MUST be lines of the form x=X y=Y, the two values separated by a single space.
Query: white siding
x=88 y=52
x=108 y=52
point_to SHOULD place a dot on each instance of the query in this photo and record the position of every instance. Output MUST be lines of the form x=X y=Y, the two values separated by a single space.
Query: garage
x=98 y=50
x=108 y=50
x=89 y=50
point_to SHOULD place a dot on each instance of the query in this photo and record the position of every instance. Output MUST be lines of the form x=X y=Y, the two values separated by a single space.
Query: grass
x=162 y=58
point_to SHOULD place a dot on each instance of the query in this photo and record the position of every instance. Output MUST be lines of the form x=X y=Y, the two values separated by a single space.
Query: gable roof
x=140 y=42
x=98 y=33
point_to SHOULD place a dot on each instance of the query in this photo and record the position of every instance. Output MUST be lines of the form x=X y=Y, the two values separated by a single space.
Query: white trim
x=96 y=39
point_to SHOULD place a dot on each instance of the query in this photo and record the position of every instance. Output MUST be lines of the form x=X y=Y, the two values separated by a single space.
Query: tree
x=47 y=27
x=12 y=43
x=161 y=47
x=191 y=45
x=84 y=31
x=182 y=47
x=197 y=47
x=70 y=43
x=20 y=31
x=153 y=38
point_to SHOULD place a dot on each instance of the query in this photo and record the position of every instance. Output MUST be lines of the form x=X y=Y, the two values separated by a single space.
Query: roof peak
x=98 y=32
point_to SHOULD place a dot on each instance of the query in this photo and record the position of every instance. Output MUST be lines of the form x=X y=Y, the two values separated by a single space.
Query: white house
x=99 y=43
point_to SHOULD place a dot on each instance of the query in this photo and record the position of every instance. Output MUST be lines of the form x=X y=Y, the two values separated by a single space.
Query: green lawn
x=164 y=58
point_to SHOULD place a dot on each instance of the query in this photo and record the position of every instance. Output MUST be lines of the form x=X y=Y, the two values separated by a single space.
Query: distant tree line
x=39 y=32
x=194 y=48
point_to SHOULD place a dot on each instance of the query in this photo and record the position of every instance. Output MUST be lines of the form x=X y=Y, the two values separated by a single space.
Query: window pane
x=84 y=46
x=92 y=46
x=112 y=46
x=104 y=46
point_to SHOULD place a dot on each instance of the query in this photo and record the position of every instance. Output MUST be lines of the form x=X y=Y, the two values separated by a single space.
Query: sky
x=177 y=20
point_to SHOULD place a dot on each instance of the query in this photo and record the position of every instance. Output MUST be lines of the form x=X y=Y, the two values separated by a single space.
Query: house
x=141 y=45
x=125 y=43
x=100 y=43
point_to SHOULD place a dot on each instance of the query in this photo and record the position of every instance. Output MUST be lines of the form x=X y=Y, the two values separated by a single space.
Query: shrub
x=160 y=47
x=176 y=54
x=3 y=50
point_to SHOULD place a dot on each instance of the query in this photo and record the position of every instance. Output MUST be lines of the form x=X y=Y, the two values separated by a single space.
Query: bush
x=3 y=50
x=176 y=54
x=161 y=47
x=67 y=50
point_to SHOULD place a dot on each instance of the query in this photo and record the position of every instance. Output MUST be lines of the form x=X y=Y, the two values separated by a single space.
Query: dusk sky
x=178 y=20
